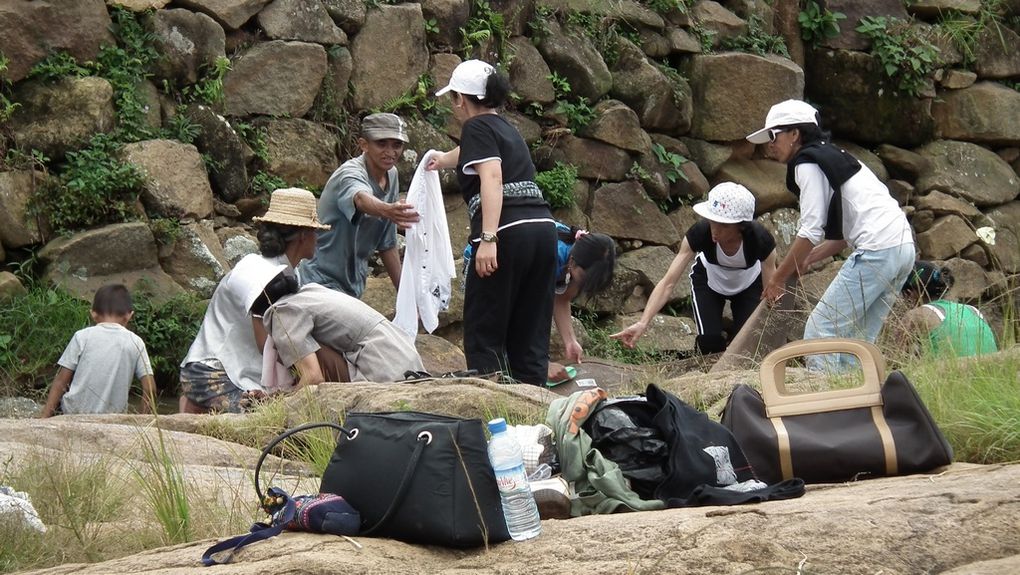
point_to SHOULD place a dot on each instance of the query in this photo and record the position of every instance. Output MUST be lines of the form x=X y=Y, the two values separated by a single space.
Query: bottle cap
x=497 y=425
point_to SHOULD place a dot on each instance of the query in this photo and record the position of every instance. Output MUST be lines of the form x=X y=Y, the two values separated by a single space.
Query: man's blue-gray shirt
x=343 y=251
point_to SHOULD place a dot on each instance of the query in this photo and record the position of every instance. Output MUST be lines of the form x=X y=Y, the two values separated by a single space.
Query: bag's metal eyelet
x=427 y=435
x=354 y=433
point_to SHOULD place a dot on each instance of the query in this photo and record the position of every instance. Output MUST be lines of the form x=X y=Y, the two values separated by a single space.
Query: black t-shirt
x=758 y=242
x=490 y=137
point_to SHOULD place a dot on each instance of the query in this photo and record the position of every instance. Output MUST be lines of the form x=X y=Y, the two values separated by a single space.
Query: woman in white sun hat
x=224 y=363
x=734 y=256
x=842 y=203
x=508 y=297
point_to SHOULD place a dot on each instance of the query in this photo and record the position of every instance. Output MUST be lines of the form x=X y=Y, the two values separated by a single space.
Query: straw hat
x=292 y=207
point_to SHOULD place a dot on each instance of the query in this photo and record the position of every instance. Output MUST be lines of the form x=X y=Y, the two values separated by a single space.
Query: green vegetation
x=671 y=162
x=263 y=184
x=577 y=114
x=757 y=40
x=421 y=101
x=209 y=88
x=818 y=23
x=964 y=30
x=668 y=6
x=557 y=185
x=903 y=53
x=485 y=28
x=167 y=328
x=161 y=482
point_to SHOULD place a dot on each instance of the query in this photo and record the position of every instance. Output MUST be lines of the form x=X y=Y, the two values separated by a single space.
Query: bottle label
x=511 y=478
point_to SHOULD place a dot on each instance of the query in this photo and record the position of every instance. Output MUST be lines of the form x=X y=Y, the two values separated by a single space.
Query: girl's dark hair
x=112 y=299
x=930 y=281
x=811 y=133
x=497 y=90
x=596 y=254
x=277 y=287
x=273 y=238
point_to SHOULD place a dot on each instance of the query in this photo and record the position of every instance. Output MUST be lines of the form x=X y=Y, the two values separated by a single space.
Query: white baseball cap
x=469 y=77
x=785 y=113
x=728 y=203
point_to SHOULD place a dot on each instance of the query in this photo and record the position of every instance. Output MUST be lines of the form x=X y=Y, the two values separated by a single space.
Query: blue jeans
x=857 y=301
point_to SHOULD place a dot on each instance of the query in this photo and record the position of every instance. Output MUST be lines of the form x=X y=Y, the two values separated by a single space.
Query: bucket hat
x=469 y=77
x=728 y=203
x=384 y=126
x=293 y=207
x=785 y=113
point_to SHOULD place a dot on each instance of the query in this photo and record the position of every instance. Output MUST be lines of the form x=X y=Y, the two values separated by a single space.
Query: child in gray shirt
x=101 y=361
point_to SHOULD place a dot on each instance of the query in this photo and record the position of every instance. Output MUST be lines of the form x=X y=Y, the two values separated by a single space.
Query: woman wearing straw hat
x=734 y=257
x=508 y=299
x=224 y=362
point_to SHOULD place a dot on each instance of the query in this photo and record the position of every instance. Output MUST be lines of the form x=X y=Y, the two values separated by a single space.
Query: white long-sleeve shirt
x=428 y=266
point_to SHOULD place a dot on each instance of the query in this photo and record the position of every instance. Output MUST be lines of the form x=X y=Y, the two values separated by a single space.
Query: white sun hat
x=728 y=203
x=785 y=113
x=469 y=77
x=250 y=277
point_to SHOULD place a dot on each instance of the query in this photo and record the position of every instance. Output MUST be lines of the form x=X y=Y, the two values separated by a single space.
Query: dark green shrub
x=557 y=185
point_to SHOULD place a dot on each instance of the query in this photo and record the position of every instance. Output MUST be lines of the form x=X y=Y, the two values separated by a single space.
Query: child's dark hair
x=113 y=299
x=281 y=285
x=497 y=90
x=930 y=281
x=273 y=238
x=596 y=254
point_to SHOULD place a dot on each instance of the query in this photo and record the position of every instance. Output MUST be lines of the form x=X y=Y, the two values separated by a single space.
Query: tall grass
x=161 y=480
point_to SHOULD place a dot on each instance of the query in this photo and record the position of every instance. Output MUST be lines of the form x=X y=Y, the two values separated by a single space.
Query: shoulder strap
x=259 y=531
x=938 y=311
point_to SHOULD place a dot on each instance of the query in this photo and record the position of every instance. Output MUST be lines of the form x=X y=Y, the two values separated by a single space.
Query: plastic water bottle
x=519 y=508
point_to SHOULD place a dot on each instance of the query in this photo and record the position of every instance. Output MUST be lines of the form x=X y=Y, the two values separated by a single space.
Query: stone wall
x=668 y=99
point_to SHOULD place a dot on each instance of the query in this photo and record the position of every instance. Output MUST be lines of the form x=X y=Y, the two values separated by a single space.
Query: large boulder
x=300 y=151
x=529 y=74
x=716 y=20
x=623 y=211
x=766 y=180
x=34 y=30
x=196 y=260
x=594 y=160
x=230 y=13
x=651 y=264
x=841 y=80
x=186 y=41
x=662 y=103
x=996 y=54
x=229 y=152
x=59 y=117
x=18 y=227
x=349 y=15
x=10 y=286
x=303 y=20
x=683 y=181
x=118 y=253
x=849 y=38
x=389 y=55
x=733 y=92
x=618 y=125
x=275 y=79
x=967 y=171
x=450 y=16
x=571 y=54
x=986 y=113
x=947 y=237
x=177 y=184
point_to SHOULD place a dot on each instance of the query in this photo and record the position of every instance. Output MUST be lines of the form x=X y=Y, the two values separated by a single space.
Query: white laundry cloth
x=428 y=266
x=18 y=505
x=275 y=377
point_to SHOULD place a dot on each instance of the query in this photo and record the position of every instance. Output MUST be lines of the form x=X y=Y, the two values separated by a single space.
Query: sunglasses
x=775 y=132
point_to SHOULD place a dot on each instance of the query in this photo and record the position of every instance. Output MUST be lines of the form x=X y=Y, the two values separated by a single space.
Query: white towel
x=275 y=377
x=428 y=266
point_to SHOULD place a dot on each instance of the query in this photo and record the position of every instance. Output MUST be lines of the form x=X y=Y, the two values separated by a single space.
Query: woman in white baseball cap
x=734 y=256
x=842 y=203
x=508 y=299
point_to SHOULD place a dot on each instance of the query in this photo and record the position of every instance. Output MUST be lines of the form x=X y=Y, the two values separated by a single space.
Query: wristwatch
x=489 y=237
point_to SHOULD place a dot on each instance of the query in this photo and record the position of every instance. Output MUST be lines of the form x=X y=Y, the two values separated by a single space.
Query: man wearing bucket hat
x=362 y=204
x=734 y=256
x=842 y=203
x=225 y=360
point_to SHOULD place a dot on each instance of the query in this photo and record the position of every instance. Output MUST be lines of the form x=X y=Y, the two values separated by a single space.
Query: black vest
x=838 y=166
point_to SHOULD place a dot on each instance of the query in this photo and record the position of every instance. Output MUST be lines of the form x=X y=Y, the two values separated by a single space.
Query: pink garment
x=275 y=377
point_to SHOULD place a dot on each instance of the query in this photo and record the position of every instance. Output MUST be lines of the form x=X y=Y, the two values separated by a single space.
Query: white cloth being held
x=275 y=377
x=428 y=266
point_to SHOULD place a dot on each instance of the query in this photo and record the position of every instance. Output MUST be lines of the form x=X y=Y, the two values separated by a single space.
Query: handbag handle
x=424 y=438
x=266 y=502
x=780 y=402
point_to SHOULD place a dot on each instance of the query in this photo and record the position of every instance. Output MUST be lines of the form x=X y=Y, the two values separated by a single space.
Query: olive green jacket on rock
x=598 y=482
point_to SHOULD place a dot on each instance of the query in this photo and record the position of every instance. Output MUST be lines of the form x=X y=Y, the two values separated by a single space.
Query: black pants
x=708 y=312
x=507 y=316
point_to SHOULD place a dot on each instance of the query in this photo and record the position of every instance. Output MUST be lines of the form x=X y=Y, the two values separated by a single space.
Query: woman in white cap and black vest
x=508 y=300
x=224 y=362
x=734 y=256
x=842 y=203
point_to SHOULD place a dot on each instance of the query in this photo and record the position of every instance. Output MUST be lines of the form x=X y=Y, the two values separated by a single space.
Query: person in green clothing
x=952 y=328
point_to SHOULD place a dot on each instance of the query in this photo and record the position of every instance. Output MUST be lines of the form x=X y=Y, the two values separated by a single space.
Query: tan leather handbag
x=878 y=428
